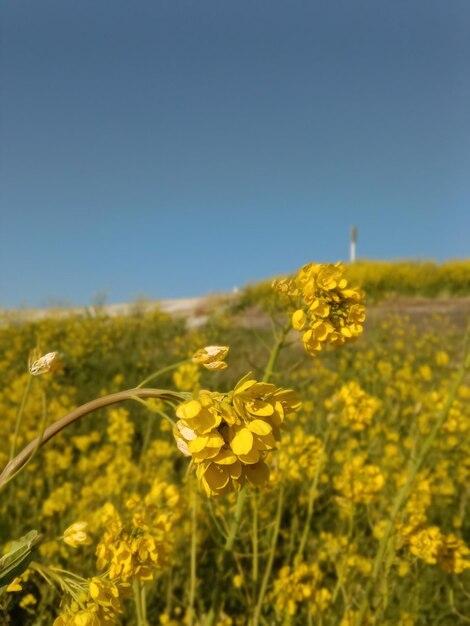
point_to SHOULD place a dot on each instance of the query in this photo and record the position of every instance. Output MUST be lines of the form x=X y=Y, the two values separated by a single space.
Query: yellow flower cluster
x=360 y=482
x=298 y=586
x=431 y=546
x=353 y=407
x=229 y=435
x=331 y=548
x=101 y=605
x=299 y=456
x=136 y=552
x=328 y=312
x=186 y=377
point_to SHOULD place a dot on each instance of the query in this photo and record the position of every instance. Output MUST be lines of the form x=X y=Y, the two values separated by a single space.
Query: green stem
x=402 y=496
x=193 y=562
x=342 y=569
x=213 y=614
x=161 y=371
x=139 y=609
x=255 y=540
x=19 y=416
x=275 y=352
x=269 y=565
x=39 y=440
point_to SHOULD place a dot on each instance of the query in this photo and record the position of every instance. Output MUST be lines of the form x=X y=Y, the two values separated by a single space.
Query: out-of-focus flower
x=49 y=362
x=353 y=407
x=327 y=311
x=360 y=482
x=15 y=585
x=212 y=357
x=186 y=377
x=431 y=546
x=27 y=601
x=76 y=535
x=100 y=604
x=301 y=585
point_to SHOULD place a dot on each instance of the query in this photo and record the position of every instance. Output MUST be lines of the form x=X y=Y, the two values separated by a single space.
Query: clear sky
x=177 y=147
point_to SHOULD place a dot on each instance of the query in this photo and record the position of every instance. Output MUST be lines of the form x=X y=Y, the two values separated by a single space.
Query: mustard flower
x=229 y=435
x=299 y=585
x=454 y=555
x=186 y=377
x=426 y=543
x=100 y=605
x=327 y=311
x=353 y=407
x=135 y=552
x=360 y=482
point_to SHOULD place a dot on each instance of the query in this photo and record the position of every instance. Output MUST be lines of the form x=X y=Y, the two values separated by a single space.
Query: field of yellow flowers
x=312 y=471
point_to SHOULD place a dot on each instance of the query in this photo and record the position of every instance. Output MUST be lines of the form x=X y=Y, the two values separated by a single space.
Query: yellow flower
x=212 y=357
x=353 y=406
x=237 y=581
x=15 y=585
x=228 y=436
x=186 y=377
x=28 y=600
x=299 y=585
x=359 y=481
x=327 y=311
x=76 y=535
x=104 y=592
x=426 y=543
x=454 y=555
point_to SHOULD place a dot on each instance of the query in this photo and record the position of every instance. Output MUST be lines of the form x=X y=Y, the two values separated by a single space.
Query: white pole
x=352 y=249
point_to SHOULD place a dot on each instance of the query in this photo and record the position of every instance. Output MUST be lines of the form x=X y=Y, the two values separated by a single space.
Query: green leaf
x=15 y=562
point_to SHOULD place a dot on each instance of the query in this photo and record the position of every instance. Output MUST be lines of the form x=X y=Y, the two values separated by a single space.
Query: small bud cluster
x=212 y=357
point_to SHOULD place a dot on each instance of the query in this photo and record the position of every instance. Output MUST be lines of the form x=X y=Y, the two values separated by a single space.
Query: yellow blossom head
x=326 y=310
x=229 y=436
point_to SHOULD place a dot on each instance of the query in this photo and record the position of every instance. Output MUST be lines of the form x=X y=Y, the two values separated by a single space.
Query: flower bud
x=212 y=357
x=38 y=365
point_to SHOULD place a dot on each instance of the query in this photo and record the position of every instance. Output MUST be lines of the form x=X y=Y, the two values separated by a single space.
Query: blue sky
x=173 y=148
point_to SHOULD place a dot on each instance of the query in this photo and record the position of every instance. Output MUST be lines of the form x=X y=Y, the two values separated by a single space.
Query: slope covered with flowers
x=290 y=495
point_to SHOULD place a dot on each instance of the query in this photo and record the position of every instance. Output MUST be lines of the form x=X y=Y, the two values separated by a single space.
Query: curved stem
x=51 y=431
